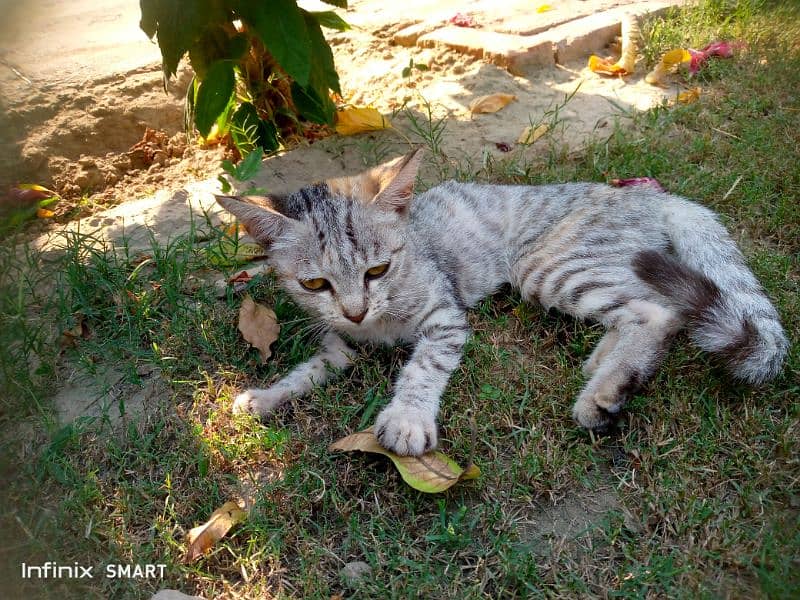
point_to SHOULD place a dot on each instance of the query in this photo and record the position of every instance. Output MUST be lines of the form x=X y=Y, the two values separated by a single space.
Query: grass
x=696 y=496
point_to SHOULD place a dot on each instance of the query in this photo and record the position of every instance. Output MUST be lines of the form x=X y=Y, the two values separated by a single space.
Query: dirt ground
x=78 y=120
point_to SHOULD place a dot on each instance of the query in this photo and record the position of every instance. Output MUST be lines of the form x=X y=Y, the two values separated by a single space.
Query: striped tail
x=707 y=279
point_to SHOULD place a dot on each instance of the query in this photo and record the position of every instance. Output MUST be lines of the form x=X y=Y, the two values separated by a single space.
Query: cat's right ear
x=258 y=216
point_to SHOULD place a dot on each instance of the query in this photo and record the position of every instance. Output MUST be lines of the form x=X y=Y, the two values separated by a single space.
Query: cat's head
x=338 y=247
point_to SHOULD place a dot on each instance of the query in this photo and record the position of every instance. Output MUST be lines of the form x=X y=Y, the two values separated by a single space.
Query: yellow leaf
x=43 y=213
x=543 y=8
x=669 y=61
x=357 y=120
x=430 y=473
x=259 y=326
x=689 y=96
x=491 y=103
x=530 y=134
x=201 y=538
x=604 y=66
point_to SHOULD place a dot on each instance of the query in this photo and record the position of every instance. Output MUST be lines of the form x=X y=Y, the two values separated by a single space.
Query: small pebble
x=353 y=572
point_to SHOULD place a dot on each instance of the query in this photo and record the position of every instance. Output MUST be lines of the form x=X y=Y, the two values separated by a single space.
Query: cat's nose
x=356 y=318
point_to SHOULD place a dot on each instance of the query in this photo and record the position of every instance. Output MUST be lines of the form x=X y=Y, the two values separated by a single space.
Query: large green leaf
x=331 y=20
x=323 y=76
x=282 y=28
x=311 y=106
x=336 y=3
x=178 y=25
x=213 y=96
x=215 y=43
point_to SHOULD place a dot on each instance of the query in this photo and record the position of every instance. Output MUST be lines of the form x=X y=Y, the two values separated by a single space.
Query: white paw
x=595 y=412
x=259 y=402
x=405 y=430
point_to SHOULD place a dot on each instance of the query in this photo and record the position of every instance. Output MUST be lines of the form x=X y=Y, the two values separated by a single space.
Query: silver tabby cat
x=374 y=265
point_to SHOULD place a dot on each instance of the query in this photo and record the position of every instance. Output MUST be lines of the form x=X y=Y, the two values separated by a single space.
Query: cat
x=377 y=264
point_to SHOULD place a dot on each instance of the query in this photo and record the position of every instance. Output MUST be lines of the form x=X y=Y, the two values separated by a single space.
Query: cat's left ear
x=258 y=216
x=397 y=187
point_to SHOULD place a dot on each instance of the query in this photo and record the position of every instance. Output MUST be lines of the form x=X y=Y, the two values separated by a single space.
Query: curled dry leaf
x=357 y=120
x=669 y=61
x=649 y=181
x=689 y=96
x=201 y=538
x=430 y=473
x=259 y=326
x=491 y=103
x=530 y=134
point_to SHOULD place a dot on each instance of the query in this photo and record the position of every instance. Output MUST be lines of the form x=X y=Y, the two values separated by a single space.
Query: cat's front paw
x=406 y=431
x=259 y=402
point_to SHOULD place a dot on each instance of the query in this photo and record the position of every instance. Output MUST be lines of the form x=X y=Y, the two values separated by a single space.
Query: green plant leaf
x=282 y=29
x=323 y=76
x=336 y=3
x=178 y=25
x=311 y=106
x=248 y=130
x=215 y=44
x=331 y=20
x=250 y=165
x=213 y=96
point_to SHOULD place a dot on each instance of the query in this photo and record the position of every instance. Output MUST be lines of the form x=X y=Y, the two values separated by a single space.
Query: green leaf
x=248 y=130
x=323 y=76
x=282 y=29
x=250 y=165
x=336 y=3
x=213 y=96
x=331 y=20
x=178 y=25
x=216 y=44
x=311 y=107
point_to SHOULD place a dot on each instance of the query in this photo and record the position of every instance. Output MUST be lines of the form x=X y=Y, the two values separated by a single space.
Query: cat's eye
x=377 y=271
x=315 y=285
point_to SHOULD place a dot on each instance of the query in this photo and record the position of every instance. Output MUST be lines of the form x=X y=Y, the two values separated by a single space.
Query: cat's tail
x=728 y=312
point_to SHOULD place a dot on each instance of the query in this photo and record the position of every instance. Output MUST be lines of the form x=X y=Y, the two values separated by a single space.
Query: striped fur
x=642 y=263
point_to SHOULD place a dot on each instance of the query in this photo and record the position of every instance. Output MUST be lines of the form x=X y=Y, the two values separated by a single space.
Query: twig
x=733 y=187
x=16 y=72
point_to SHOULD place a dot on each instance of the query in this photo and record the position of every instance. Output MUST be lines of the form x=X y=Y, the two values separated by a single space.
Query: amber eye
x=377 y=271
x=315 y=285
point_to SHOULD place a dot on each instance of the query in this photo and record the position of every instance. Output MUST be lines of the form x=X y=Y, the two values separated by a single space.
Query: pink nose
x=356 y=318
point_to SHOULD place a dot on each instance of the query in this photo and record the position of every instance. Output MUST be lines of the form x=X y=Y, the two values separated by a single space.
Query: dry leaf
x=649 y=181
x=430 y=473
x=491 y=103
x=203 y=537
x=43 y=213
x=357 y=120
x=669 y=61
x=690 y=96
x=259 y=326
x=530 y=134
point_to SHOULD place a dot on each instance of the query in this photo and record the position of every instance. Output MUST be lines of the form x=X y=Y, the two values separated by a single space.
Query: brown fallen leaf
x=259 y=326
x=430 y=473
x=491 y=103
x=200 y=539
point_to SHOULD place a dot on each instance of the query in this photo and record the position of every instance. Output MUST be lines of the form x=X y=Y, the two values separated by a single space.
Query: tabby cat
x=375 y=264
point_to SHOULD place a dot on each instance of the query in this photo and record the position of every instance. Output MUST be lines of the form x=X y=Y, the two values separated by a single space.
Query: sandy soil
x=74 y=120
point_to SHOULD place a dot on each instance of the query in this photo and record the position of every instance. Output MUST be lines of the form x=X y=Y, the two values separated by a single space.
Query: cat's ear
x=258 y=216
x=396 y=182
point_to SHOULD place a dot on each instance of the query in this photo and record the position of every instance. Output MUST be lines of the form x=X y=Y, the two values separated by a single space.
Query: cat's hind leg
x=606 y=344
x=644 y=331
